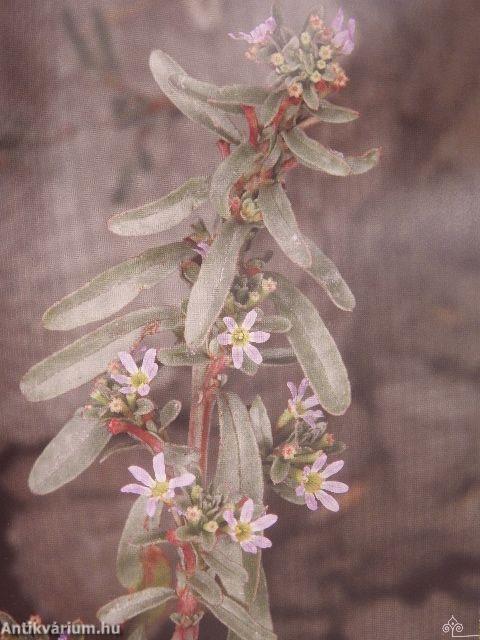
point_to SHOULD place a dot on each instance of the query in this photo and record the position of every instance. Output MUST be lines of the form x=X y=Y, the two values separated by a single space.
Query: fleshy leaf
x=271 y=106
x=163 y=67
x=273 y=324
x=180 y=356
x=279 y=470
x=239 y=466
x=334 y=114
x=280 y=222
x=362 y=164
x=162 y=214
x=209 y=292
x=180 y=456
x=278 y=356
x=239 y=621
x=229 y=98
x=70 y=452
x=314 y=155
x=206 y=587
x=112 y=290
x=311 y=98
x=261 y=424
x=315 y=348
x=226 y=569
x=239 y=163
x=169 y=412
x=130 y=572
x=90 y=355
x=129 y=606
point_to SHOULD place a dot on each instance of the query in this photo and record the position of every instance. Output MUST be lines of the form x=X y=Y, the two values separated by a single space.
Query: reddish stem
x=224 y=148
x=116 y=426
x=253 y=124
x=283 y=107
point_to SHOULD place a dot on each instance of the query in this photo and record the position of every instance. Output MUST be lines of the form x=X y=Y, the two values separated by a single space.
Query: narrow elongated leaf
x=129 y=606
x=213 y=283
x=280 y=221
x=169 y=412
x=279 y=470
x=271 y=106
x=162 y=214
x=89 y=356
x=314 y=347
x=180 y=356
x=232 y=583
x=238 y=620
x=72 y=450
x=314 y=155
x=278 y=356
x=163 y=68
x=273 y=324
x=232 y=97
x=334 y=114
x=226 y=569
x=236 y=165
x=138 y=524
x=326 y=274
x=239 y=466
x=363 y=163
x=206 y=587
x=311 y=98
x=112 y=290
x=261 y=424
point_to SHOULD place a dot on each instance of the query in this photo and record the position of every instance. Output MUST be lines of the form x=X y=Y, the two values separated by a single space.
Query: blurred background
x=85 y=133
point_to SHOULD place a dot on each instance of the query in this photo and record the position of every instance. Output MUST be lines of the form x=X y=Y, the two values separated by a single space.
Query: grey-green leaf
x=314 y=347
x=138 y=524
x=129 y=606
x=163 y=68
x=279 y=470
x=281 y=223
x=226 y=569
x=206 y=587
x=334 y=114
x=90 y=355
x=271 y=106
x=232 y=96
x=326 y=274
x=239 y=466
x=169 y=412
x=239 y=163
x=162 y=214
x=362 y=164
x=314 y=155
x=273 y=356
x=70 y=452
x=262 y=427
x=238 y=620
x=273 y=324
x=211 y=288
x=180 y=356
x=310 y=97
x=112 y=290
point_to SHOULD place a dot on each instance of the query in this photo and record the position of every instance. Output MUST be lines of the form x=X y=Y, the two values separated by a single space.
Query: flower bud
x=316 y=77
x=321 y=64
x=196 y=492
x=326 y=52
x=305 y=38
x=295 y=90
x=193 y=515
x=211 y=526
x=117 y=405
x=277 y=59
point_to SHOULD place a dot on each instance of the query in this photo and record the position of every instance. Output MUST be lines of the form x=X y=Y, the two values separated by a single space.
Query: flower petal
x=328 y=501
x=237 y=357
x=247 y=511
x=224 y=338
x=249 y=320
x=253 y=353
x=310 y=402
x=148 y=360
x=309 y=419
x=311 y=502
x=127 y=390
x=293 y=390
x=262 y=542
x=334 y=486
x=319 y=462
x=142 y=476
x=249 y=547
x=182 y=481
x=333 y=468
x=259 y=336
x=264 y=522
x=139 y=489
x=159 y=467
x=230 y=323
x=128 y=362
x=143 y=390
x=300 y=490
x=151 y=370
x=337 y=23
x=230 y=518
x=318 y=413
x=120 y=378
x=302 y=387
x=151 y=507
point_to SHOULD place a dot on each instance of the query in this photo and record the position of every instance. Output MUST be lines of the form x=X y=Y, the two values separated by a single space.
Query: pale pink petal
x=262 y=542
x=230 y=518
x=300 y=490
x=302 y=387
x=151 y=370
x=351 y=27
x=293 y=390
x=127 y=390
x=259 y=336
x=334 y=486
x=139 y=489
x=128 y=362
x=159 y=467
x=253 y=353
x=151 y=507
x=348 y=47
x=337 y=23
x=169 y=494
x=249 y=320
x=148 y=360
x=182 y=481
x=328 y=501
x=311 y=502
x=143 y=390
x=306 y=470
x=121 y=379
x=319 y=462
x=333 y=468
x=249 y=547
x=230 y=323
x=247 y=511
x=224 y=338
x=310 y=402
x=316 y=414
x=264 y=522
x=309 y=419
x=237 y=357
x=141 y=475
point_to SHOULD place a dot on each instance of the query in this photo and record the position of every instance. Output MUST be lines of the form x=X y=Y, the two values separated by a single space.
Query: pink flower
x=158 y=489
x=245 y=531
x=202 y=248
x=301 y=408
x=240 y=337
x=343 y=38
x=138 y=380
x=314 y=484
x=259 y=35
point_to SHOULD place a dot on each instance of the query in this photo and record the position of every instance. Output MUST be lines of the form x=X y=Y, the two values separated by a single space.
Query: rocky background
x=75 y=145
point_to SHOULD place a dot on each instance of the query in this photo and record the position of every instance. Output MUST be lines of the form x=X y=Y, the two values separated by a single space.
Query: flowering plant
x=214 y=522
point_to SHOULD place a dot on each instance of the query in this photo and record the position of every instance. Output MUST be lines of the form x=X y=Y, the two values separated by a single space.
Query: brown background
x=402 y=555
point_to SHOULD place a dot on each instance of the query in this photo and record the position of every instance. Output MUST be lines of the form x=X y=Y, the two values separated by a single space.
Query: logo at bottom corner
x=454 y=628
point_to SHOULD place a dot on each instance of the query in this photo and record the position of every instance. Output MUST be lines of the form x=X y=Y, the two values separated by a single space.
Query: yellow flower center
x=160 y=489
x=138 y=379
x=240 y=337
x=243 y=531
x=313 y=482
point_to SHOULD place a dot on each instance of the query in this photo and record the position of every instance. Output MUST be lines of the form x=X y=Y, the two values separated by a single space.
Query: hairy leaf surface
x=236 y=165
x=129 y=606
x=314 y=155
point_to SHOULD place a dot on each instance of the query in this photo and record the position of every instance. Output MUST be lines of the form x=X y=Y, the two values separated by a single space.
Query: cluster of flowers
x=307 y=60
